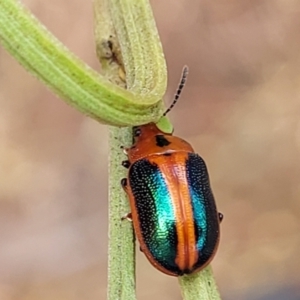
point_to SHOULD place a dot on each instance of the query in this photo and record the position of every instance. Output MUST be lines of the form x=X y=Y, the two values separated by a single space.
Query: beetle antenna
x=183 y=79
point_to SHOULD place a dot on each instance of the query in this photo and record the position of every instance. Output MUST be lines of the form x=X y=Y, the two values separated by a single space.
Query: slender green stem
x=121 y=249
x=126 y=37
x=141 y=48
x=201 y=286
x=45 y=57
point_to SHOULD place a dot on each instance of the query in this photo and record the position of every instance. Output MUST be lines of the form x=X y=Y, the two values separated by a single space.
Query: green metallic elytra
x=158 y=219
x=155 y=211
x=206 y=216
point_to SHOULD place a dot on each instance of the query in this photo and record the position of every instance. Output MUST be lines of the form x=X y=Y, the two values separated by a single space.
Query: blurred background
x=240 y=109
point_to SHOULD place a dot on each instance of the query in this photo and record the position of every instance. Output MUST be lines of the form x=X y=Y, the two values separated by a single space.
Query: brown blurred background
x=240 y=109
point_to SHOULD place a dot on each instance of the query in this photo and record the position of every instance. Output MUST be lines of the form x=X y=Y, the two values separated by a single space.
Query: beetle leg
x=127 y=217
x=126 y=164
x=125 y=150
x=136 y=131
x=141 y=249
x=221 y=216
x=124 y=184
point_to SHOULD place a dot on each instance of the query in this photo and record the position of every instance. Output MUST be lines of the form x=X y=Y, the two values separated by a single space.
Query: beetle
x=173 y=210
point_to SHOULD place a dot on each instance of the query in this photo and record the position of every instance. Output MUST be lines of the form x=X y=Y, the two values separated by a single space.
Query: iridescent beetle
x=172 y=206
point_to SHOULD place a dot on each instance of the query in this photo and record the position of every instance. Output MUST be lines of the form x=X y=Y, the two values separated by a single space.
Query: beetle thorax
x=149 y=140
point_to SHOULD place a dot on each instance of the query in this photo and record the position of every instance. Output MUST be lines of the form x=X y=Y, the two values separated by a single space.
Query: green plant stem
x=46 y=58
x=121 y=248
x=200 y=286
x=126 y=36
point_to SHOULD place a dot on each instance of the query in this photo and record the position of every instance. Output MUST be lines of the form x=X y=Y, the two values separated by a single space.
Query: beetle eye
x=136 y=131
